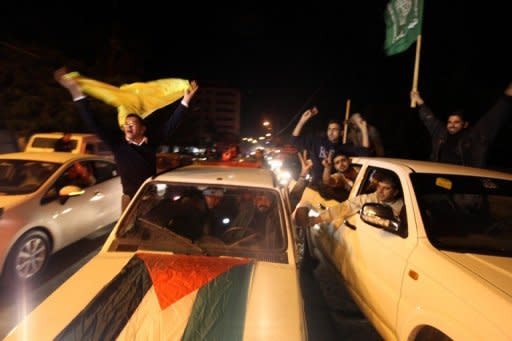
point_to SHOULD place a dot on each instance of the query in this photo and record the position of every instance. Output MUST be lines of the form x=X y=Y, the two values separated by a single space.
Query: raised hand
x=416 y=98
x=67 y=82
x=190 y=92
x=309 y=113
x=305 y=163
x=327 y=162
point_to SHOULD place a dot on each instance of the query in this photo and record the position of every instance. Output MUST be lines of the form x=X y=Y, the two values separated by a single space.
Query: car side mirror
x=381 y=216
x=67 y=192
x=71 y=191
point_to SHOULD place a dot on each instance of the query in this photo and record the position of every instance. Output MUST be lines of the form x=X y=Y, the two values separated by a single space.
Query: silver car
x=48 y=201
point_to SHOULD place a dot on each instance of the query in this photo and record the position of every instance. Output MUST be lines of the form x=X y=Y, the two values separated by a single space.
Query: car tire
x=431 y=334
x=27 y=258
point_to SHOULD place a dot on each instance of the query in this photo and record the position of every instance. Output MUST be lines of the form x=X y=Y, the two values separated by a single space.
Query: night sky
x=285 y=59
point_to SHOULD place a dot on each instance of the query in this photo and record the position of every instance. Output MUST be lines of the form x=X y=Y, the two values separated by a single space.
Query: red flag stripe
x=175 y=276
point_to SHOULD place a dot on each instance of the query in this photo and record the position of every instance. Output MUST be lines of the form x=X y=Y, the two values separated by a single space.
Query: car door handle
x=352 y=226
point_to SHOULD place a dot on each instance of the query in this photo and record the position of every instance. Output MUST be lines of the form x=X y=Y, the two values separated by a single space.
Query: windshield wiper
x=188 y=243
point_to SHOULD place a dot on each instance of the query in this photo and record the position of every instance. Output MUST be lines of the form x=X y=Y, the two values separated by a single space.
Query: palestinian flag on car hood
x=204 y=297
x=160 y=296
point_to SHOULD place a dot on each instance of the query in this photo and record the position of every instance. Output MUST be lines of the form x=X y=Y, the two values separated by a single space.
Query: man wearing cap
x=222 y=212
x=136 y=146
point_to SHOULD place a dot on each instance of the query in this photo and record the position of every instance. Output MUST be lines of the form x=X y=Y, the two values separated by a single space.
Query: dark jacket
x=135 y=163
x=318 y=148
x=473 y=144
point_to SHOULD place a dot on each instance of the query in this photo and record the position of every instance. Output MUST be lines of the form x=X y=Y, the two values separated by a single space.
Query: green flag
x=403 y=24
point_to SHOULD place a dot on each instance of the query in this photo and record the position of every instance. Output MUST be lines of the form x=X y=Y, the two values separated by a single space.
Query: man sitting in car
x=259 y=217
x=222 y=210
x=184 y=213
x=387 y=192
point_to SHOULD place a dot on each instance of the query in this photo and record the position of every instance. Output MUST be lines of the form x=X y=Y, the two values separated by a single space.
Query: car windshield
x=24 y=176
x=466 y=213
x=208 y=220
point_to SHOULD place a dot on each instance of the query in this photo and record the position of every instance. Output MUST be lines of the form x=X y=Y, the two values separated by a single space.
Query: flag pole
x=416 y=69
x=345 y=128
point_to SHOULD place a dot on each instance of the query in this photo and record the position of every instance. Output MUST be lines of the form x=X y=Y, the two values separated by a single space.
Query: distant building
x=214 y=116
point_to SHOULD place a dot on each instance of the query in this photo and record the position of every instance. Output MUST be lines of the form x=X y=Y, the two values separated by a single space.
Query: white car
x=173 y=269
x=48 y=201
x=442 y=269
x=82 y=143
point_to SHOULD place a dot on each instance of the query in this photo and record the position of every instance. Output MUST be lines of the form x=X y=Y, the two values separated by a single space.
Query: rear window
x=47 y=142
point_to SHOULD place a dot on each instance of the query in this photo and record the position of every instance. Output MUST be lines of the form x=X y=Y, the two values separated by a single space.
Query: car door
x=333 y=242
x=375 y=259
x=80 y=215
x=106 y=193
x=72 y=217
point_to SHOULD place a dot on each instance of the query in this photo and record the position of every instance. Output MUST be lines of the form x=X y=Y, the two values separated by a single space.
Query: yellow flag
x=138 y=98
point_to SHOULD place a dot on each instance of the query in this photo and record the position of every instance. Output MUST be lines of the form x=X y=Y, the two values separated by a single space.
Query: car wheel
x=28 y=257
x=431 y=334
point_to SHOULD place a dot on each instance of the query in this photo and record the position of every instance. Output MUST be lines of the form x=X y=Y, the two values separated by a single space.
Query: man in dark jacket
x=136 y=146
x=319 y=147
x=457 y=143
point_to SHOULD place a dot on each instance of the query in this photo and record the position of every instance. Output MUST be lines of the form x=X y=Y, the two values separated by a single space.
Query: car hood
x=493 y=269
x=165 y=296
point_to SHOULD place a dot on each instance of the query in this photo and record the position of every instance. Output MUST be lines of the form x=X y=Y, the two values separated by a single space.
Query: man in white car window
x=387 y=192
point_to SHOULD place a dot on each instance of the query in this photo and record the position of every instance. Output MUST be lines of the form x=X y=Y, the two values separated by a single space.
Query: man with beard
x=259 y=218
x=457 y=143
x=338 y=184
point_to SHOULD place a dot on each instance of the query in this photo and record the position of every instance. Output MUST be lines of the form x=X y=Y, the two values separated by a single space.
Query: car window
x=212 y=220
x=48 y=142
x=466 y=213
x=104 y=170
x=90 y=148
x=24 y=176
x=78 y=174
x=375 y=175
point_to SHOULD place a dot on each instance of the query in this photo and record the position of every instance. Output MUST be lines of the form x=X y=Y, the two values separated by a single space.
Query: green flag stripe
x=219 y=310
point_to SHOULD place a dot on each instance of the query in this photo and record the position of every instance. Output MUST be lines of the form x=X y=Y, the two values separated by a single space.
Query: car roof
x=418 y=166
x=58 y=157
x=221 y=175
